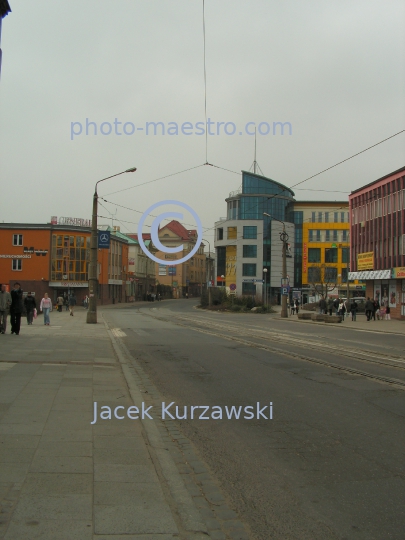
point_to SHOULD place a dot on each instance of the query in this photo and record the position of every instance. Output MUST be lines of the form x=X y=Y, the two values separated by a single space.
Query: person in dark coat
x=369 y=308
x=353 y=310
x=30 y=305
x=72 y=303
x=16 y=309
x=322 y=305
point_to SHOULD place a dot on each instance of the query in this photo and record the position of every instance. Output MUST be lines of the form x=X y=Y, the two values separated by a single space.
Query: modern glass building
x=250 y=239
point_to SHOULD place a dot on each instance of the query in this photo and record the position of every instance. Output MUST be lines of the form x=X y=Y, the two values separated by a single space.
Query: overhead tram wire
x=314 y=175
x=205 y=86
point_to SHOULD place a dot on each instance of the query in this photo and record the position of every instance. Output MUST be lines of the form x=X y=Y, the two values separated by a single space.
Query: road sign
x=285 y=291
x=232 y=286
x=103 y=239
x=285 y=281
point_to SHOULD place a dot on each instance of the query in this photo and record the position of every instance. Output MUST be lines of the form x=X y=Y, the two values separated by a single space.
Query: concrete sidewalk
x=386 y=327
x=63 y=478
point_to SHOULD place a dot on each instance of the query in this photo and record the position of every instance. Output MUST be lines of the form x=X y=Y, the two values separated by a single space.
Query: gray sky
x=335 y=70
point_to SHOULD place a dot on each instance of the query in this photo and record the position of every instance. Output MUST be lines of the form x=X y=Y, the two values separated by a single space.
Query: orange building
x=54 y=258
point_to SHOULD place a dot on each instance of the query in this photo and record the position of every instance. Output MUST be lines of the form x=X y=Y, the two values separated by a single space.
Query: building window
x=327 y=235
x=249 y=269
x=16 y=264
x=335 y=235
x=314 y=255
x=331 y=255
x=345 y=255
x=318 y=235
x=250 y=251
x=313 y=217
x=314 y=274
x=344 y=275
x=330 y=274
x=220 y=234
x=326 y=217
x=311 y=235
x=335 y=217
x=344 y=236
x=342 y=217
x=319 y=217
x=250 y=232
x=232 y=233
x=248 y=288
x=17 y=239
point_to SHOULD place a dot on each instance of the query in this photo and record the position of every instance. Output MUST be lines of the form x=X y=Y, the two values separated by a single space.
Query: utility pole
x=284 y=239
x=93 y=277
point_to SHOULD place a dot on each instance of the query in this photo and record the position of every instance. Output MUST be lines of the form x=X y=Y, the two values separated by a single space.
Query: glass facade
x=70 y=258
x=250 y=232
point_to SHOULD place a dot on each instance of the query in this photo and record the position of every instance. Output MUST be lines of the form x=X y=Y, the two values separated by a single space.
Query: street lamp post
x=209 y=272
x=93 y=278
x=222 y=280
x=284 y=239
x=265 y=286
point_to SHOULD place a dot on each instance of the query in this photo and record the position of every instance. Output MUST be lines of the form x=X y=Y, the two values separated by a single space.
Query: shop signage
x=71 y=221
x=253 y=280
x=37 y=252
x=365 y=261
x=15 y=256
x=115 y=282
x=103 y=239
x=372 y=274
x=69 y=284
x=304 y=258
x=398 y=272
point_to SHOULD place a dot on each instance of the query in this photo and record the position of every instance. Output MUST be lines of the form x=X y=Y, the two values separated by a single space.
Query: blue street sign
x=253 y=280
x=285 y=290
x=103 y=239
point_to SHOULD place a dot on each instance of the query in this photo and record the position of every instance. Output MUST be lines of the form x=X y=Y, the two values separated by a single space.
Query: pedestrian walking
x=297 y=305
x=5 y=303
x=46 y=307
x=86 y=302
x=336 y=303
x=369 y=308
x=16 y=309
x=66 y=302
x=72 y=303
x=59 y=303
x=388 y=313
x=30 y=305
x=322 y=305
x=342 y=310
x=353 y=309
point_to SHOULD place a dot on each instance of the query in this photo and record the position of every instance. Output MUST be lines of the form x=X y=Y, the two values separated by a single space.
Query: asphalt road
x=330 y=464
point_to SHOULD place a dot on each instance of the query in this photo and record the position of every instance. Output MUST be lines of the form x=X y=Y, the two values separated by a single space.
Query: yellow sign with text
x=365 y=261
x=230 y=273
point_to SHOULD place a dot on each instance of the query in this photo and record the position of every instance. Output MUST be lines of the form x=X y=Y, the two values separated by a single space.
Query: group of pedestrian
x=375 y=309
x=151 y=297
x=14 y=304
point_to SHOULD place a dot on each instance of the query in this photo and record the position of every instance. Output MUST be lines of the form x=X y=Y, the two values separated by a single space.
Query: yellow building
x=325 y=245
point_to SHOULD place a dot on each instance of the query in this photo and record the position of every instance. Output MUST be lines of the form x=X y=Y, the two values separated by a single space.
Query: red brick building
x=377 y=240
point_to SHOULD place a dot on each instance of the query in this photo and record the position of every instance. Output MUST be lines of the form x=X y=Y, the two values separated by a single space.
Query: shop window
x=250 y=251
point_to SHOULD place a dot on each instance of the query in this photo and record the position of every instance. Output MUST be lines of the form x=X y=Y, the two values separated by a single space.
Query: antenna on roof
x=255 y=164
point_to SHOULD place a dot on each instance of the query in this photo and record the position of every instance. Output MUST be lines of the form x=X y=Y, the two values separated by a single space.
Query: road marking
x=117 y=332
x=6 y=365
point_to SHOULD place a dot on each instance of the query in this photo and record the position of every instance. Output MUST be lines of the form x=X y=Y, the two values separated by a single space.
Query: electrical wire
x=205 y=86
x=156 y=179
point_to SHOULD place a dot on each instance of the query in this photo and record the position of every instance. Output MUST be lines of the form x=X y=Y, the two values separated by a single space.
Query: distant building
x=377 y=239
x=188 y=277
x=54 y=258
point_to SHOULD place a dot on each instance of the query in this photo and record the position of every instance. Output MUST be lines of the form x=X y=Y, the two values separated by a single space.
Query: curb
x=339 y=325
x=188 y=513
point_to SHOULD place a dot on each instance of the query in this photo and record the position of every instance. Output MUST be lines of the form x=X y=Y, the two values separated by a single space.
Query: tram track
x=227 y=331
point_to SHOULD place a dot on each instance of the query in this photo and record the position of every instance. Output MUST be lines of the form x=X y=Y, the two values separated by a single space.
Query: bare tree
x=323 y=278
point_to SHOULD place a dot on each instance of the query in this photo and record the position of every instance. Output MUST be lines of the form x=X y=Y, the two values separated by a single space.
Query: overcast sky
x=335 y=70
